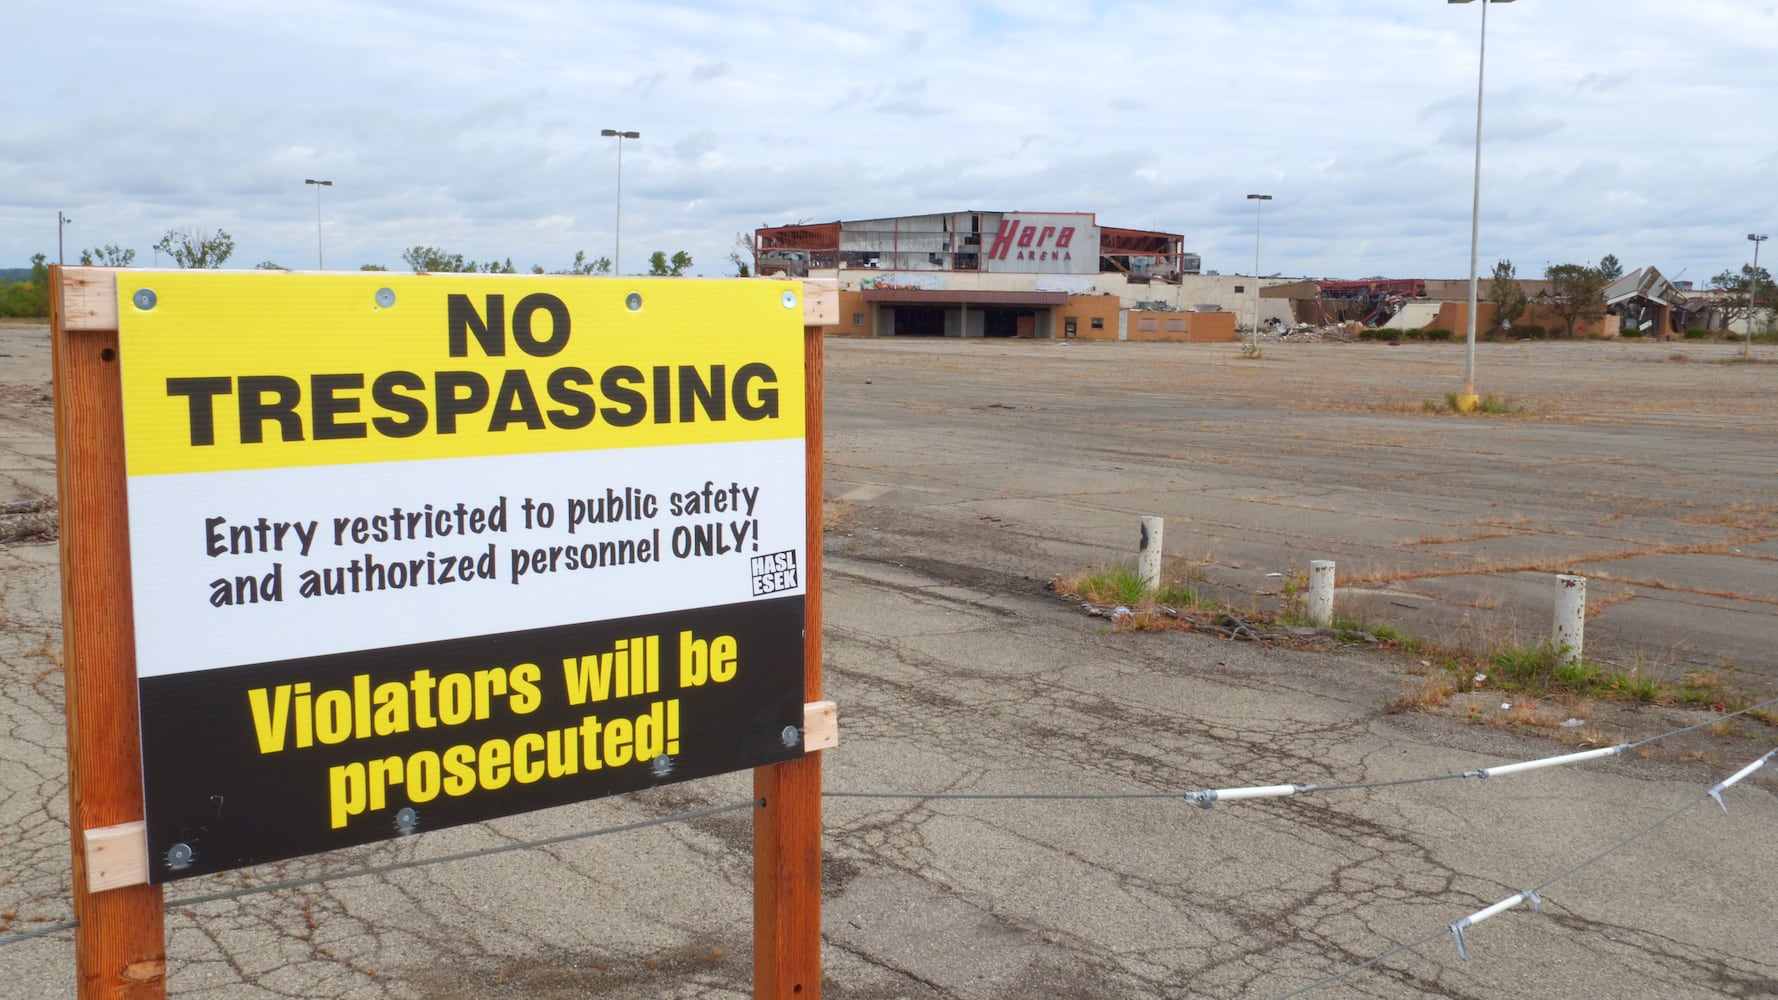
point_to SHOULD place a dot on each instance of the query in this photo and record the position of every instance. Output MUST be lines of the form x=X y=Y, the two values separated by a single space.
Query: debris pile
x=1227 y=624
x=31 y=520
x=1308 y=333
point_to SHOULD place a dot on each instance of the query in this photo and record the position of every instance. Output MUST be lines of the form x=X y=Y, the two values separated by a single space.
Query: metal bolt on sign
x=634 y=301
x=790 y=735
x=385 y=297
x=144 y=299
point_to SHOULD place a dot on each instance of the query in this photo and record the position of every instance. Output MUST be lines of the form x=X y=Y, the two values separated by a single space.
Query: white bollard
x=1569 y=630
x=1148 y=554
x=1321 y=590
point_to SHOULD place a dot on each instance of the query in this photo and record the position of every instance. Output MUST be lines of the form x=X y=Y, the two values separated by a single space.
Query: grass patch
x=1385 y=632
x=1545 y=669
x=1489 y=403
x=1122 y=586
x=1118 y=585
x=1638 y=687
x=1426 y=693
x=1542 y=676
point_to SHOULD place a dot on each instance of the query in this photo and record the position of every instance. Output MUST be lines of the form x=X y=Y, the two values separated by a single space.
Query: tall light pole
x=1258 y=201
x=1468 y=399
x=617 y=250
x=319 y=265
x=1752 y=295
x=62 y=221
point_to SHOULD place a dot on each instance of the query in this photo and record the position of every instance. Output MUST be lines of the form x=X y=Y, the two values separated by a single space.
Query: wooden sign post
x=120 y=946
x=119 y=670
x=787 y=827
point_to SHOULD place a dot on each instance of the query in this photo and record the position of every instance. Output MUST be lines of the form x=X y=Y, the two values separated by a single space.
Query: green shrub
x=1413 y=334
x=1434 y=333
x=1697 y=333
x=1531 y=331
x=1632 y=333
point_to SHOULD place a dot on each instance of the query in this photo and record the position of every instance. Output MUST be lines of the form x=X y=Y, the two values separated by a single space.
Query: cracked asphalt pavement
x=961 y=477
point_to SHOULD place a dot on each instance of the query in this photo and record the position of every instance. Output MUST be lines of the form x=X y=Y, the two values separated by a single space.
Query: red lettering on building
x=1003 y=239
x=1012 y=233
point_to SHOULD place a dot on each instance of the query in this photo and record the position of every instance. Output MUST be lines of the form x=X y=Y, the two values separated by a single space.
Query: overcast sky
x=1641 y=128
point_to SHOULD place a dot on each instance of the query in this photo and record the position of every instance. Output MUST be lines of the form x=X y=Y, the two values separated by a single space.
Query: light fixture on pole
x=617 y=249
x=1753 y=284
x=1258 y=200
x=319 y=264
x=63 y=220
x=1468 y=400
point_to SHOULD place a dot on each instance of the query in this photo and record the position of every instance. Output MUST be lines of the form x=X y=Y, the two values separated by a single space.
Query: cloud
x=695 y=145
x=1602 y=82
x=475 y=127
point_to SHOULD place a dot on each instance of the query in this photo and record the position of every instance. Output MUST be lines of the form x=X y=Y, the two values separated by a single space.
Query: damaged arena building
x=1045 y=275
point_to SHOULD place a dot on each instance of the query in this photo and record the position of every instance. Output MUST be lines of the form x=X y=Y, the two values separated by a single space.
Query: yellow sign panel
x=264 y=370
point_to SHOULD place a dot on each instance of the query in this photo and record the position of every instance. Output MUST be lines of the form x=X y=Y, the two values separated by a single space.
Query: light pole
x=1752 y=295
x=1258 y=200
x=1468 y=400
x=319 y=265
x=62 y=221
x=617 y=250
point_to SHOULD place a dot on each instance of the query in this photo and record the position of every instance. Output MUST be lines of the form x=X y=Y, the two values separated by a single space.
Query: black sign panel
x=249 y=764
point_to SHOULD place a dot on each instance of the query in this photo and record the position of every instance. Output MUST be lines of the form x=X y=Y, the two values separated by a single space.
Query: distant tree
x=30 y=297
x=1576 y=293
x=661 y=267
x=197 y=248
x=267 y=265
x=432 y=259
x=741 y=255
x=583 y=266
x=1610 y=269
x=15 y=298
x=1747 y=293
x=372 y=267
x=1506 y=294
x=109 y=255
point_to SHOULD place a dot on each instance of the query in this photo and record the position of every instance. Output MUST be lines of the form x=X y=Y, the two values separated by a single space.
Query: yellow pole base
x=1466 y=402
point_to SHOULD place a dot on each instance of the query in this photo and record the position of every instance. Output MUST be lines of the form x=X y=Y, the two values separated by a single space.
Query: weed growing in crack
x=1490 y=404
x=1120 y=585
